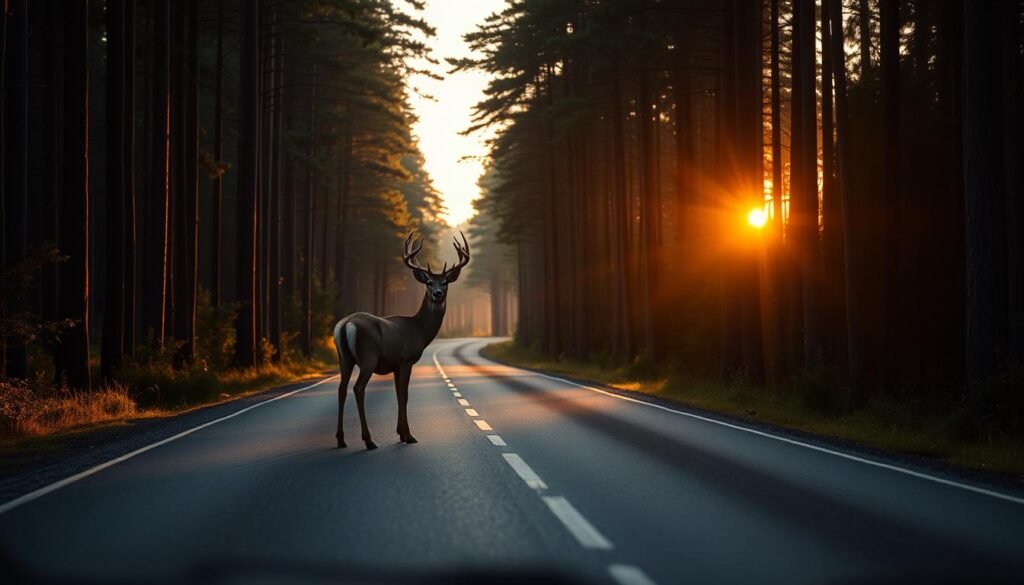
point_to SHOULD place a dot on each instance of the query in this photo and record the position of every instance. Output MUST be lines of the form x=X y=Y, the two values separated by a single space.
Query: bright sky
x=454 y=162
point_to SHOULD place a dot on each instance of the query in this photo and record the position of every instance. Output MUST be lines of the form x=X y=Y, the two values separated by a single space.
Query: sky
x=454 y=162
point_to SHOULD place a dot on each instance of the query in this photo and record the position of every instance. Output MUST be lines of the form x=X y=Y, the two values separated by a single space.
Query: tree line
x=165 y=160
x=881 y=138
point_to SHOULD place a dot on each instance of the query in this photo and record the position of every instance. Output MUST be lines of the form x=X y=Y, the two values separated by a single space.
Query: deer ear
x=421 y=276
x=452 y=275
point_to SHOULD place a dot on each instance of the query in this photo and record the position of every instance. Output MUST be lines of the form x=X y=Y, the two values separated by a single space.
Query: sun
x=757 y=218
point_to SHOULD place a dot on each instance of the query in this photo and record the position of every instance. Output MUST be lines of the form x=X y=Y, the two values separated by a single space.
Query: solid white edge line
x=524 y=471
x=879 y=464
x=497 y=441
x=584 y=531
x=36 y=494
x=629 y=575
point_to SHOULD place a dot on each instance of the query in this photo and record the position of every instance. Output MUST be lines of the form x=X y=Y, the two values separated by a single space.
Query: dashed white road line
x=525 y=471
x=584 y=531
x=33 y=495
x=629 y=575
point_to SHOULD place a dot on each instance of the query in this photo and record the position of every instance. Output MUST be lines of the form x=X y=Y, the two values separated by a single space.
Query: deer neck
x=430 y=316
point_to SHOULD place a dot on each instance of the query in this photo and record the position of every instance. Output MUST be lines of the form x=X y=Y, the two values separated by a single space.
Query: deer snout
x=437 y=294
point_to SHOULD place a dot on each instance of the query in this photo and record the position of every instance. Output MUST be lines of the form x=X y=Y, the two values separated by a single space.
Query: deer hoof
x=409 y=439
x=370 y=445
x=341 y=444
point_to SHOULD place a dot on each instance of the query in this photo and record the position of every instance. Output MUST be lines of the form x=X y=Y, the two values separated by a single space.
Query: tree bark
x=984 y=195
x=130 y=213
x=307 y=275
x=14 y=173
x=73 y=353
x=113 y=312
x=248 y=144
x=893 y=351
x=218 y=156
x=156 y=251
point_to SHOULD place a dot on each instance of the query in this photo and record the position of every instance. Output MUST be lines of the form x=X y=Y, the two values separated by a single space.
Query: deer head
x=437 y=284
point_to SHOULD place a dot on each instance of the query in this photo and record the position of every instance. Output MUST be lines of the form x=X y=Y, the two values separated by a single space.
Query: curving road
x=517 y=476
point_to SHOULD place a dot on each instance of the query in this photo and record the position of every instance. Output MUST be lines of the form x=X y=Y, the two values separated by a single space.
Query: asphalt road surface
x=516 y=476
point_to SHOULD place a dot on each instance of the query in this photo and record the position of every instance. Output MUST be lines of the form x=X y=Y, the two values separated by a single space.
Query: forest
x=778 y=194
x=193 y=188
x=767 y=193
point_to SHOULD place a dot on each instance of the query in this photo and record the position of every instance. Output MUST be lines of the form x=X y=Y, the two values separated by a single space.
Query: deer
x=391 y=345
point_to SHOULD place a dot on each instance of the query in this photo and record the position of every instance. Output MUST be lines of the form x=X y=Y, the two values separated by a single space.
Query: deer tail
x=344 y=340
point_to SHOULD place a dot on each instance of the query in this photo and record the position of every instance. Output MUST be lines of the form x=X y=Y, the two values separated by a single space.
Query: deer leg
x=402 y=376
x=360 y=392
x=346 y=375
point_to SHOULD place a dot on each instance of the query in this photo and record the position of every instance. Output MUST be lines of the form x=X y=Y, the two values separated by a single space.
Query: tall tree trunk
x=651 y=217
x=779 y=267
x=1013 y=88
x=73 y=354
x=864 y=12
x=218 y=156
x=307 y=275
x=893 y=350
x=14 y=172
x=832 y=232
x=856 y=341
x=620 y=228
x=156 y=268
x=344 y=205
x=276 y=93
x=984 y=195
x=186 y=194
x=130 y=215
x=113 y=312
x=248 y=167
x=52 y=152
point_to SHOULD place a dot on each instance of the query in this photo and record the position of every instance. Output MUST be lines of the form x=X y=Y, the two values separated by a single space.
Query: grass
x=808 y=404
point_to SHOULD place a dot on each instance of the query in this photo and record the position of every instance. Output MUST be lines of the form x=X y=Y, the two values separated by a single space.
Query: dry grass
x=25 y=410
x=888 y=425
x=34 y=409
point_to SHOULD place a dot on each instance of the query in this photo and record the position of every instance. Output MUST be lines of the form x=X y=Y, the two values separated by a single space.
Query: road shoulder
x=51 y=460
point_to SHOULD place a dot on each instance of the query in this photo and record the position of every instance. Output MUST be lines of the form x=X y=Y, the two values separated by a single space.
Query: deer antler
x=462 y=250
x=410 y=253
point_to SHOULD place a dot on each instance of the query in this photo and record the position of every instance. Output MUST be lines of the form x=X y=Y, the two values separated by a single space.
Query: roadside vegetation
x=810 y=403
x=150 y=385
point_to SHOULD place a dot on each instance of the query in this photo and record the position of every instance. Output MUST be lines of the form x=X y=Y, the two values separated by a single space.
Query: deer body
x=392 y=345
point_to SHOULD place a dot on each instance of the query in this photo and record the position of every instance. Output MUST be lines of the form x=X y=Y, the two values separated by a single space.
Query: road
x=514 y=472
